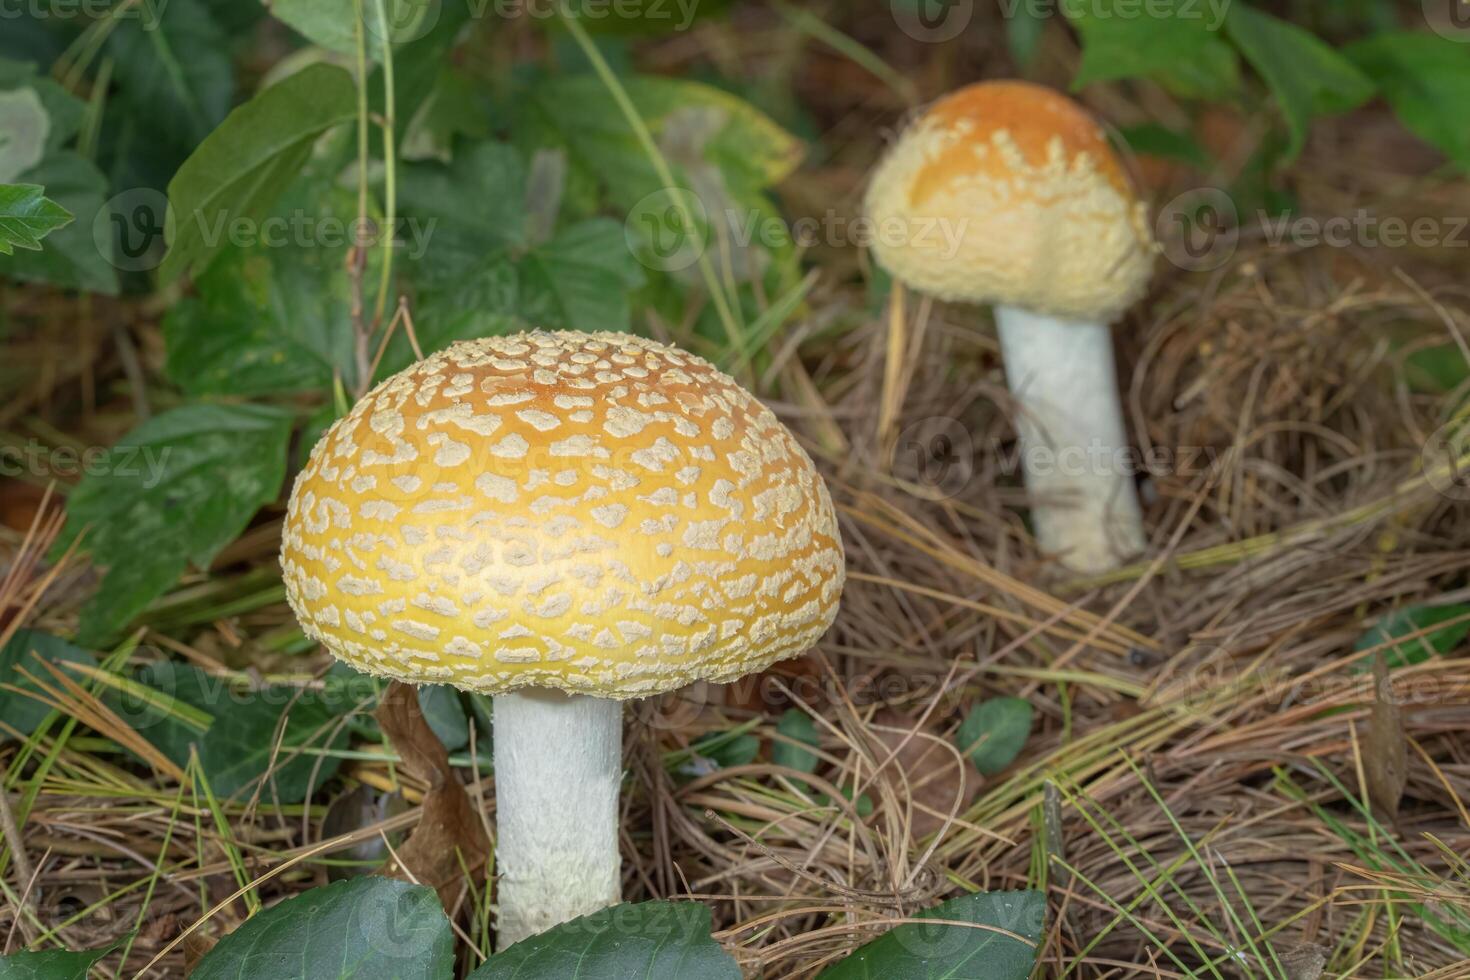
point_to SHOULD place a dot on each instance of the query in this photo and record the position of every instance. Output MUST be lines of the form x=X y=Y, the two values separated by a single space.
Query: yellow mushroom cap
x=597 y=513
x=1008 y=193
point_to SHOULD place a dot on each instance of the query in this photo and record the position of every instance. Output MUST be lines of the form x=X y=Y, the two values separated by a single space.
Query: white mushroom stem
x=558 y=764
x=1074 y=448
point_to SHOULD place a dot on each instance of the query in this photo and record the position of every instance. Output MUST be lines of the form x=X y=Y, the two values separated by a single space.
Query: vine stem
x=390 y=169
x=661 y=168
x=357 y=259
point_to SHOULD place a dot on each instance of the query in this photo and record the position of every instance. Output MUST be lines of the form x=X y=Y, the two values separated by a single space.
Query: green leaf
x=697 y=126
x=1426 y=78
x=276 y=315
x=1305 y=74
x=580 y=280
x=174 y=72
x=798 y=725
x=649 y=940
x=25 y=127
x=1212 y=75
x=243 y=166
x=52 y=964
x=71 y=257
x=239 y=747
x=26 y=217
x=333 y=23
x=20 y=712
x=176 y=489
x=475 y=206
x=365 y=928
x=164 y=705
x=64 y=111
x=445 y=714
x=1168 y=144
x=1123 y=39
x=1408 y=621
x=994 y=732
x=918 y=951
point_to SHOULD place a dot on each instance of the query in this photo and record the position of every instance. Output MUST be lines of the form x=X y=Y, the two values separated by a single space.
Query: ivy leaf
x=650 y=940
x=27 y=216
x=174 y=71
x=994 y=732
x=242 y=167
x=1305 y=74
x=71 y=257
x=1120 y=41
x=276 y=315
x=51 y=964
x=797 y=725
x=20 y=712
x=175 y=490
x=1392 y=633
x=922 y=951
x=1426 y=78
x=366 y=928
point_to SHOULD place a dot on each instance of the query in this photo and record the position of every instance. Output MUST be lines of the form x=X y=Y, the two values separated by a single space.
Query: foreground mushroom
x=1007 y=193
x=564 y=521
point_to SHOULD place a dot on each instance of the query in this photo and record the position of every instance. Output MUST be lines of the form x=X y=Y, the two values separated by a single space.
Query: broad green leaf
x=243 y=166
x=173 y=71
x=366 y=928
x=994 y=732
x=1159 y=141
x=1426 y=78
x=273 y=313
x=333 y=23
x=649 y=940
x=1438 y=370
x=175 y=490
x=1305 y=74
x=1212 y=75
x=1122 y=39
x=17 y=710
x=482 y=259
x=445 y=714
x=580 y=280
x=1398 y=629
x=695 y=125
x=172 y=706
x=71 y=257
x=797 y=725
x=27 y=216
x=474 y=206
x=985 y=950
x=64 y=111
x=238 y=748
x=25 y=127
x=51 y=964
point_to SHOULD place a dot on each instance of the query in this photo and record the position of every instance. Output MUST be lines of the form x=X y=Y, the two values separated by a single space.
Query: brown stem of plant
x=450 y=837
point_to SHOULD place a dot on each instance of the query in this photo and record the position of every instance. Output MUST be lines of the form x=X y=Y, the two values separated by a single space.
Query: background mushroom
x=1007 y=193
x=564 y=521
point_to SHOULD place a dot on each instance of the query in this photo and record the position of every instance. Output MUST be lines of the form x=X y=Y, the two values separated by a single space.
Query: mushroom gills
x=1074 y=448
x=558 y=765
